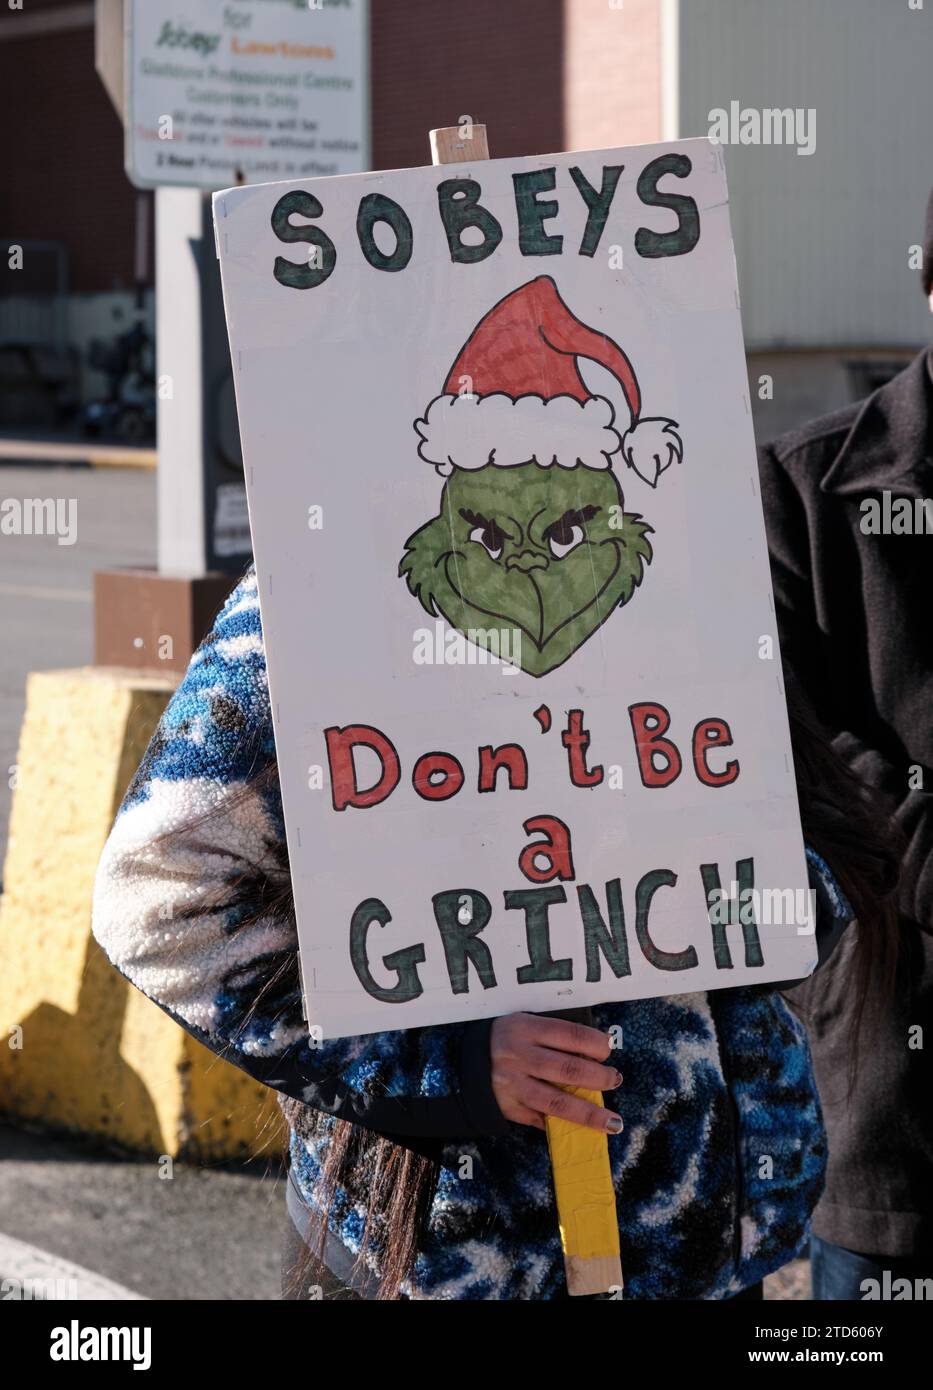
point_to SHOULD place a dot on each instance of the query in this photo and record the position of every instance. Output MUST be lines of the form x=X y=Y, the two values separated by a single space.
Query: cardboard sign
x=514 y=586
x=219 y=92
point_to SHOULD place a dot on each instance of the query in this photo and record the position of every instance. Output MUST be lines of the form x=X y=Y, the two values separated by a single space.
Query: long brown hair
x=842 y=819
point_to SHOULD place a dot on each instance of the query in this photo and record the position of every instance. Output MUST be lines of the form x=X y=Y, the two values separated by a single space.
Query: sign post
x=203 y=524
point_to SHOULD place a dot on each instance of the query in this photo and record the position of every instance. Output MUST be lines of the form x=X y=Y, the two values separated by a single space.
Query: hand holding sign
x=534 y=1057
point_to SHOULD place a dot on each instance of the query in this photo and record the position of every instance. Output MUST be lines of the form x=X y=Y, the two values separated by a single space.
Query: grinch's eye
x=488 y=539
x=486 y=532
x=569 y=539
x=569 y=530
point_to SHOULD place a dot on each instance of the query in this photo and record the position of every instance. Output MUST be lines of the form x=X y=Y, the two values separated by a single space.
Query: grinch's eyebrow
x=578 y=517
x=477 y=519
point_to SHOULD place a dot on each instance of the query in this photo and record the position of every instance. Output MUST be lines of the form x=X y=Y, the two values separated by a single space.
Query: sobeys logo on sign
x=177 y=36
x=532 y=536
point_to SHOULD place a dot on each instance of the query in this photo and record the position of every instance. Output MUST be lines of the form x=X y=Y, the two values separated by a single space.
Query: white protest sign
x=514 y=586
x=234 y=91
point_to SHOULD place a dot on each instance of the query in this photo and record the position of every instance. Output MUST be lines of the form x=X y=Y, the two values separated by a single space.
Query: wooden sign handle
x=586 y=1199
x=459 y=144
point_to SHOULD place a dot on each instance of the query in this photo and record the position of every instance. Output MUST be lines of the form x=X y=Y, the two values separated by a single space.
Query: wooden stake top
x=459 y=144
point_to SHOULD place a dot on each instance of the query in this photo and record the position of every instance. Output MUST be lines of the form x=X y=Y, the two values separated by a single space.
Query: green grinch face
x=528 y=561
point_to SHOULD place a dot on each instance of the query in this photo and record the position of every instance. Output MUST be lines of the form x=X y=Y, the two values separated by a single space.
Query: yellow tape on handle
x=586 y=1202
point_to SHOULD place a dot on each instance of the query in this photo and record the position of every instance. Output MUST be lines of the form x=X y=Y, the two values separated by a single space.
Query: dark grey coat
x=855 y=616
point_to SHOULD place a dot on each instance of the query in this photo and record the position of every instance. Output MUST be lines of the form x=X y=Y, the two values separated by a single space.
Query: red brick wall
x=498 y=61
x=63 y=176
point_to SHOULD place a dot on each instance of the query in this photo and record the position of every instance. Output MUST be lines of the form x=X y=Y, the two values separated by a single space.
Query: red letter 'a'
x=340 y=745
x=649 y=725
x=554 y=848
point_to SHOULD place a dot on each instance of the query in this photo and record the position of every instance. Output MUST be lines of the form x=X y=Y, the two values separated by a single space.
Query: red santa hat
x=515 y=395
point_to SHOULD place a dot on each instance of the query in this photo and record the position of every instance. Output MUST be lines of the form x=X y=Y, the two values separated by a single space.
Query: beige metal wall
x=822 y=241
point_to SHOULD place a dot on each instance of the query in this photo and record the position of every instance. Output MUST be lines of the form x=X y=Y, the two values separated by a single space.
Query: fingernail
x=614 y=1124
x=618 y=1079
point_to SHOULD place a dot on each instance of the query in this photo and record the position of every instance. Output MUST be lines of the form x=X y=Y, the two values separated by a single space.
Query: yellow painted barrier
x=80 y=1048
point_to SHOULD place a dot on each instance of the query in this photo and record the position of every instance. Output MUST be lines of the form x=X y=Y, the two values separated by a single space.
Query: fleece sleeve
x=188 y=906
x=802 y=648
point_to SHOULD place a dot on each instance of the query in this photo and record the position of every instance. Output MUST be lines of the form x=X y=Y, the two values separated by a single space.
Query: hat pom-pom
x=651 y=446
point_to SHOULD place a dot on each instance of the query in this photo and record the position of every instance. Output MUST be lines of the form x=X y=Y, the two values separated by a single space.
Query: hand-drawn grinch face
x=545 y=552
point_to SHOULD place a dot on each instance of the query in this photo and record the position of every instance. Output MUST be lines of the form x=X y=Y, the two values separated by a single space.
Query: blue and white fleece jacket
x=714 y=1085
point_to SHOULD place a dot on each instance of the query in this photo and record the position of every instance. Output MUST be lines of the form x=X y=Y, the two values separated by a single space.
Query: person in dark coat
x=848 y=505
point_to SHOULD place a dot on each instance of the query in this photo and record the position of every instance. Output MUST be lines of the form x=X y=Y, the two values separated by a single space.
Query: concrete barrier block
x=81 y=1049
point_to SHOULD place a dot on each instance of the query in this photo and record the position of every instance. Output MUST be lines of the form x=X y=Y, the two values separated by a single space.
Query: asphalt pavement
x=108 y=1227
